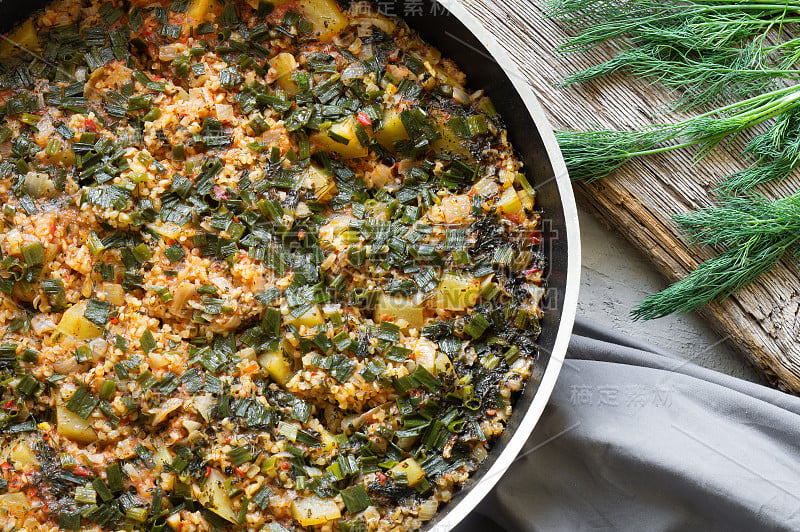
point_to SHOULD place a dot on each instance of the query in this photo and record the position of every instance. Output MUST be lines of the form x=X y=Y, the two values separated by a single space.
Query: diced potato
x=329 y=442
x=311 y=318
x=74 y=427
x=19 y=452
x=509 y=202
x=399 y=307
x=114 y=293
x=284 y=64
x=315 y=178
x=74 y=324
x=199 y=10
x=23 y=37
x=277 y=365
x=450 y=143
x=443 y=364
x=311 y=511
x=214 y=497
x=347 y=130
x=525 y=199
x=456 y=292
x=325 y=16
x=409 y=466
x=15 y=503
x=391 y=131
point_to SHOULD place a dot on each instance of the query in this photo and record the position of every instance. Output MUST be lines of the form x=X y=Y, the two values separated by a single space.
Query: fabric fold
x=638 y=439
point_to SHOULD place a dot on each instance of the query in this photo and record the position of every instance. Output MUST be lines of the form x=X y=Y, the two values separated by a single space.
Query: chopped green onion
x=82 y=403
x=33 y=254
x=147 y=342
x=356 y=498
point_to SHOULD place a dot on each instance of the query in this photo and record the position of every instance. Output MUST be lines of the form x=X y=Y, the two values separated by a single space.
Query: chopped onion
x=41 y=323
x=428 y=509
x=167 y=52
x=39 y=184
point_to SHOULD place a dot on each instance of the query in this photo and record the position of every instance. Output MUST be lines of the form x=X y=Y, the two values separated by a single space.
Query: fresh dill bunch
x=756 y=232
x=776 y=151
x=693 y=23
x=708 y=51
x=721 y=74
x=591 y=155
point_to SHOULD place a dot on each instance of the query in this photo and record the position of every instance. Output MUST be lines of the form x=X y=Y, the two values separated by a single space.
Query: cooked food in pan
x=265 y=266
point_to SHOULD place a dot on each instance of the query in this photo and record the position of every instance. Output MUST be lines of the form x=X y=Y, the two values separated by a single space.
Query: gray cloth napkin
x=638 y=439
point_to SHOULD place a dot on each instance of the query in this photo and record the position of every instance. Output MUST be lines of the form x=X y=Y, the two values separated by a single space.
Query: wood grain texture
x=762 y=321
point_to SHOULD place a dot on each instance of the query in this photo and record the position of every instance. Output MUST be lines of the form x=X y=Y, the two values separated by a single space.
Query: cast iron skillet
x=448 y=26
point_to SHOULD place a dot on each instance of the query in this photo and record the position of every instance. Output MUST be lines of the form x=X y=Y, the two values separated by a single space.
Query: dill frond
x=776 y=151
x=756 y=232
x=591 y=155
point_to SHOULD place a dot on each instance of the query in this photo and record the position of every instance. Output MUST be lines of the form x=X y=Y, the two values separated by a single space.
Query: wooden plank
x=760 y=322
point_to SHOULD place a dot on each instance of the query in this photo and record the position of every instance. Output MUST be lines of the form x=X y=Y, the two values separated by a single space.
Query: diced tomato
x=208 y=471
x=8 y=403
x=5 y=466
x=513 y=217
x=381 y=477
x=285 y=465
x=535 y=238
x=363 y=119
x=532 y=271
x=219 y=193
x=82 y=471
x=90 y=125
x=113 y=319
x=240 y=471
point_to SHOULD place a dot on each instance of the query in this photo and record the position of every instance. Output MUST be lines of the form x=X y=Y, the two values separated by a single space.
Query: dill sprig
x=756 y=232
x=692 y=23
x=777 y=154
x=591 y=155
x=710 y=51
x=724 y=74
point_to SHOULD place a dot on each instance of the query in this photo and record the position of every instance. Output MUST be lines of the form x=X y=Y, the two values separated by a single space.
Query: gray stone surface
x=616 y=276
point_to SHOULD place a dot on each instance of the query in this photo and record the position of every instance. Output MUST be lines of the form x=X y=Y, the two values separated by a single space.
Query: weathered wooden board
x=761 y=322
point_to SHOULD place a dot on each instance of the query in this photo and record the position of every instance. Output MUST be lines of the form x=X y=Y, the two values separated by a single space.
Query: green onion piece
x=245 y=502
x=147 y=342
x=240 y=455
x=85 y=494
x=33 y=254
x=142 y=253
x=511 y=355
x=477 y=125
x=356 y=498
x=97 y=312
x=101 y=488
x=27 y=386
x=107 y=389
x=489 y=291
x=69 y=520
x=82 y=403
x=114 y=478
x=83 y=354
x=96 y=246
x=477 y=326
x=137 y=514
x=261 y=497
x=174 y=253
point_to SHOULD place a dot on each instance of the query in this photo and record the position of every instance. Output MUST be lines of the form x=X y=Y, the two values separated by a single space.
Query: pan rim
x=513 y=446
